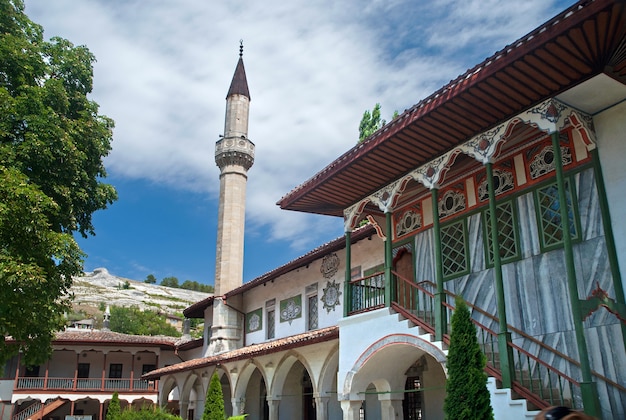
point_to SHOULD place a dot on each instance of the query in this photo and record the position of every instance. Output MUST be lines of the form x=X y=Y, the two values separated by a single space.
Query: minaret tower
x=234 y=155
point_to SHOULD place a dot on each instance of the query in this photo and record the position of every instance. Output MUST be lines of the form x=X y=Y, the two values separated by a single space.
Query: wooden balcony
x=85 y=384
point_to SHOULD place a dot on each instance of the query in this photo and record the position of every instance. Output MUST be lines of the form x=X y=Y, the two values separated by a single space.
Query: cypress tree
x=115 y=410
x=214 y=402
x=467 y=396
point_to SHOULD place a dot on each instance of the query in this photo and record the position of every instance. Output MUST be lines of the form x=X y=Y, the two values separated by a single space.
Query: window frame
x=467 y=269
x=487 y=245
x=541 y=225
x=116 y=369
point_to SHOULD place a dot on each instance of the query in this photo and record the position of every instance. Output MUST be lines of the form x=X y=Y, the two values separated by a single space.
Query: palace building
x=505 y=187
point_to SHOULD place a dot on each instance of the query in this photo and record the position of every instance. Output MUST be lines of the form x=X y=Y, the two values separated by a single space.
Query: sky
x=162 y=73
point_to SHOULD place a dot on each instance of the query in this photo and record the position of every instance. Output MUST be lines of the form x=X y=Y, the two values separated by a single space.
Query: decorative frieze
x=550 y=116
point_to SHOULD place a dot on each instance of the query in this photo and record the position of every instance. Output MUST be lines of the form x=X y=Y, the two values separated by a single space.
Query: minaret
x=234 y=155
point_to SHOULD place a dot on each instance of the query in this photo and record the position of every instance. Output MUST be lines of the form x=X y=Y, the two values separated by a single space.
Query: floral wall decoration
x=330 y=265
x=254 y=320
x=291 y=309
x=331 y=296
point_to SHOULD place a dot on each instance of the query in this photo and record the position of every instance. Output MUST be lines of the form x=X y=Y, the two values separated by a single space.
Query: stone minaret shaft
x=234 y=155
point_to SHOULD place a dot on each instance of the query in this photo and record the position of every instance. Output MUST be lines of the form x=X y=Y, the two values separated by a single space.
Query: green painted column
x=441 y=321
x=608 y=236
x=388 y=260
x=504 y=336
x=587 y=386
x=347 y=290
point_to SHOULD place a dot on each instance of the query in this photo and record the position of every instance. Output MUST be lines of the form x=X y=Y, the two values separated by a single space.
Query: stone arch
x=385 y=364
x=328 y=373
x=192 y=395
x=247 y=370
x=283 y=368
x=167 y=386
x=290 y=388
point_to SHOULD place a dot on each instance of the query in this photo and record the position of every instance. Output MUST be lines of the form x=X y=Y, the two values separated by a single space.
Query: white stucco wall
x=365 y=254
x=611 y=131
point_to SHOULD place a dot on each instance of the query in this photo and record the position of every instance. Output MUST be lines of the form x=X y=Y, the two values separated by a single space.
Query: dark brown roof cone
x=239 y=85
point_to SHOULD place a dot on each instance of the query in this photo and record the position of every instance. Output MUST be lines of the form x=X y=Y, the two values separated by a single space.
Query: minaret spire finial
x=240 y=48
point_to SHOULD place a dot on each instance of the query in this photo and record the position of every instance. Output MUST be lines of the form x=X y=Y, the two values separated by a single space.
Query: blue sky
x=162 y=73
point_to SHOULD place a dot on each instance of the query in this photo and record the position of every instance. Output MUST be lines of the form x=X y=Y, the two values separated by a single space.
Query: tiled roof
x=585 y=40
x=110 y=338
x=197 y=309
x=248 y=352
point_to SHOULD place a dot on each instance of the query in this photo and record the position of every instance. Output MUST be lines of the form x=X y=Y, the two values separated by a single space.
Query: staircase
x=38 y=410
x=505 y=403
x=537 y=384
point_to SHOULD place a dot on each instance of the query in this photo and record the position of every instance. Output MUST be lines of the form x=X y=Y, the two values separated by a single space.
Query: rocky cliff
x=101 y=287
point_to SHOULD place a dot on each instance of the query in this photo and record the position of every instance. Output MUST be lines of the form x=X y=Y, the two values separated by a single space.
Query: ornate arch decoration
x=549 y=116
x=352 y=213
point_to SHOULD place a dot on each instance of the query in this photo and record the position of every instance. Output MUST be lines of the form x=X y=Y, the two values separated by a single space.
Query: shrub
x=114 y=410
x=467 y=396
x=214 y=403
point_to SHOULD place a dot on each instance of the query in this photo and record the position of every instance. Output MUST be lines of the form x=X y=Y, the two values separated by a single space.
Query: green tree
x=170 y=282
x=214 y=402
x=146 y=413
x=52 y=142
x=115 y=409
x=198 y=287
x=150 y=279
x=467 y=396
x=371 y=122
x=133 y=320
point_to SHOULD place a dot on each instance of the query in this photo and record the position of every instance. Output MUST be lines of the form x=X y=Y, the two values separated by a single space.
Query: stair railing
x=537 y=381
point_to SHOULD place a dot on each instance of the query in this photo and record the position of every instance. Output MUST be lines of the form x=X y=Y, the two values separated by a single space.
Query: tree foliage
x=467 y=396
x=133 y=320
x=115 y=409
x=114 y=412
x=146 y=413
x=198 y=287
x=214 y=402
x=52 y=142
x=371 y=122
x=187 y=284
x=150 y=279
x=170 y=282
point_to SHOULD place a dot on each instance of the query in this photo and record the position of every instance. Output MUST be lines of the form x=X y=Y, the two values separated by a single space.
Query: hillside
x=100 y=286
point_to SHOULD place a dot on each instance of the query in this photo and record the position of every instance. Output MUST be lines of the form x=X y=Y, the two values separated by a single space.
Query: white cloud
x=164 y=68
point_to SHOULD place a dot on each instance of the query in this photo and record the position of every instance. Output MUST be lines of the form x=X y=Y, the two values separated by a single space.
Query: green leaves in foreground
x=467 y=396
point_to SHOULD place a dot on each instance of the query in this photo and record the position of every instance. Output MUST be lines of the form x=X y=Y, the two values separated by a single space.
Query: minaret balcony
x=234 y=151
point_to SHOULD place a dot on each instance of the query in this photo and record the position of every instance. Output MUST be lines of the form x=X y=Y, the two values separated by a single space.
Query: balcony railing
x=367 y=293
x=85 y=384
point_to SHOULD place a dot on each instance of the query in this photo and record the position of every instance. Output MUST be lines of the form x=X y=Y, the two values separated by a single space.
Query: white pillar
x=273 y=404
x=386 y=410
x=239 y=405
x=321 y=407
x=351 y=409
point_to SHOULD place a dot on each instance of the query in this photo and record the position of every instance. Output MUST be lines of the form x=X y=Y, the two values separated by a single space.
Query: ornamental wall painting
x=331 y=296
x=330 y=265
x=254 y=320
x=291 y=309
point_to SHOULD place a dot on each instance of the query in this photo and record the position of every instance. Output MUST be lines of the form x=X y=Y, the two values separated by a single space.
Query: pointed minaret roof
x=239 y=85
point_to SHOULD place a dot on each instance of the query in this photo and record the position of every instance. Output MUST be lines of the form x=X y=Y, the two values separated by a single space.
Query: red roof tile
x=249 y=352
